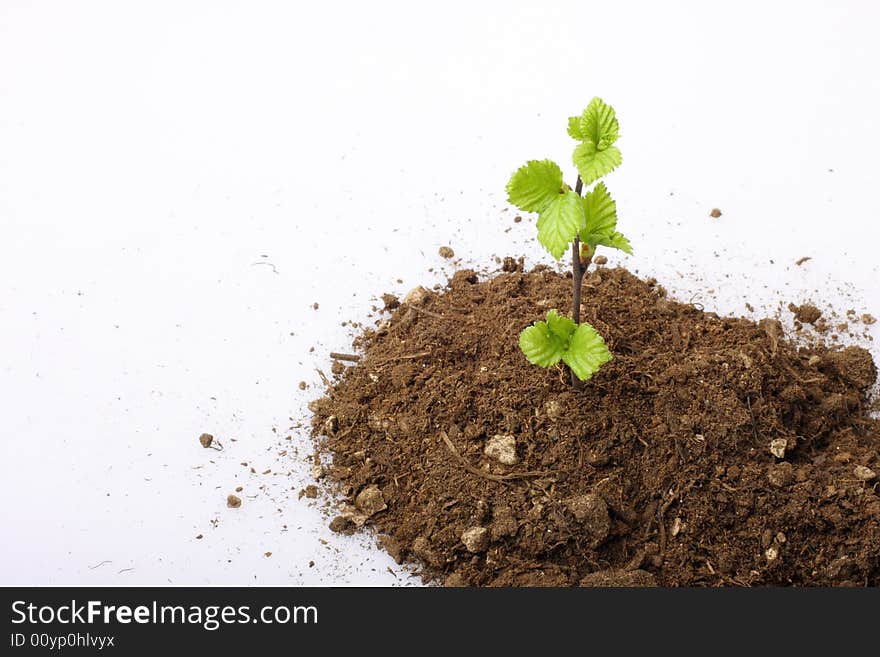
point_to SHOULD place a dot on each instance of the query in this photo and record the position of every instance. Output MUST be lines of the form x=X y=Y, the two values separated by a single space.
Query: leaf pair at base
x=559 y=338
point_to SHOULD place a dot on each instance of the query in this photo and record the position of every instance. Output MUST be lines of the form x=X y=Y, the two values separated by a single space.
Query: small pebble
x=864 y=473
x=502 y=449
x=476 y=539
x=370 y=501
x=777 y=447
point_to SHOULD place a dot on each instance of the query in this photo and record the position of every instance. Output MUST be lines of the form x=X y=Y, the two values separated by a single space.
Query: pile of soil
x=709 y=451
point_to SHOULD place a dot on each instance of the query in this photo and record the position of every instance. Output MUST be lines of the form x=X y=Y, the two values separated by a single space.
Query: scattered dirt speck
x=310 y=492
x=806 y=313
x=233 y=501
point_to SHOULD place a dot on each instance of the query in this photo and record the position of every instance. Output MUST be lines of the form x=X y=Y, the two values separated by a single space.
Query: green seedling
x=585 y=221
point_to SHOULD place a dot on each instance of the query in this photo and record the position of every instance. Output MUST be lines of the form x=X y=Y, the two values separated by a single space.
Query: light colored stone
x=553 y=409
x=476 y=539
x=772 y=553
x=318 y=471
x=777 y=447
x=677 y=526
x=864 y=473
x=370 y=501
x=416 y=296
x=501 y=448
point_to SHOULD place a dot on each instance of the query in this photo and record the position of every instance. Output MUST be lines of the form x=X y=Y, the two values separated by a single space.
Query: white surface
x=151 y=155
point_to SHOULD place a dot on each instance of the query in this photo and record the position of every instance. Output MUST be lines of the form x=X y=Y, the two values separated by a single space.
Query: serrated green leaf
x=593 y=163
x=600 y=214
x=598 y=124
x=541 y=346
x=535 y=185
x=600 y=220
x=574 y=128
x=562 y=327
x=560 y=222
x=586 y=352
x=616 y=241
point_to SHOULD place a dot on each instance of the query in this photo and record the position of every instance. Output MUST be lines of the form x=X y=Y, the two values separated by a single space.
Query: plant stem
x=577 y=277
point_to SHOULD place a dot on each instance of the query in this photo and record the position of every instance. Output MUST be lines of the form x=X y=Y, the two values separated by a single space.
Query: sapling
x=571 y=217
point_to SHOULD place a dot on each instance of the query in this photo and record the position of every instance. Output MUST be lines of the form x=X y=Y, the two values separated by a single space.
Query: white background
x=181 y=181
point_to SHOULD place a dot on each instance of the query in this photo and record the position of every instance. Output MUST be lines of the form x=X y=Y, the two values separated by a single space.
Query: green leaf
x=560 y=222
x=534 y=186
x=597 y=130
x=541 y=346
x=600 y=220
x=574 y=128
x=561 y=326
x=586 y=352
x=559 y=338
x=616 y=241
x=600 y=214
x=598 y=124
x=593 y=163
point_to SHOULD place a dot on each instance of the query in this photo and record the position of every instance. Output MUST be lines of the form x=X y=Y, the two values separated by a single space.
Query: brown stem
x=577 y=277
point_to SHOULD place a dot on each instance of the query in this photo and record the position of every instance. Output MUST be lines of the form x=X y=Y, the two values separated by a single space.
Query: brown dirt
x=658 y=470
x=806 y=313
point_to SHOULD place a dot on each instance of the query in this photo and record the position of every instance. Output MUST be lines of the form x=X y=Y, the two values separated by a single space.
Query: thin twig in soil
x=351 y=358
x=393 y=359
x=501 y=479
x=661 y=512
